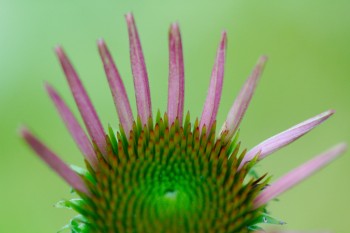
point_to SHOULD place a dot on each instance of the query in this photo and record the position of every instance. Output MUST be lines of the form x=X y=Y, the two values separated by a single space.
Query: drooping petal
x=242 y=101
x=297 y=175
x=116 y=85
x=142 y=92
x=54 y=162
x=286 y=137
x=73 y=126
x=176 y=76
x=87 y=111
x=212 y=101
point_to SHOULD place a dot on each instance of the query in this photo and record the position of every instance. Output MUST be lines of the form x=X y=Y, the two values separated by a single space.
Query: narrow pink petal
x=142 y=92
x=242 y=101
x=54 y=162
x=116 y=85
x=73 y=126
x=215 y=88
x=286 y=137
x=87 y=111
x=299 y=174
x=176 y=76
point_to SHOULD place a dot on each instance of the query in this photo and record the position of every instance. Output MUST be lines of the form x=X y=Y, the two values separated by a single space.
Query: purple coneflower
x=166 y=173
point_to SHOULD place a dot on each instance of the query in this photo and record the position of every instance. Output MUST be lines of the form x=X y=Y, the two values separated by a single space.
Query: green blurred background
x=307 y=73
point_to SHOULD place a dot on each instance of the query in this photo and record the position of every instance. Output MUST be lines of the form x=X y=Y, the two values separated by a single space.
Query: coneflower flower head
x=168 y=173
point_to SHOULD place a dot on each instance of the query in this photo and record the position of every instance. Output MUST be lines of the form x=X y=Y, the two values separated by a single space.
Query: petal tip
x=224 y=39
x=101 y=42
x=23 y=131
x=59 y=50
x=129 y=17
x=224 y=33
x=174 y=26
x=341 y=148
x=263 y=59
x=47 y=86
x=174 y=30
x=330 y=112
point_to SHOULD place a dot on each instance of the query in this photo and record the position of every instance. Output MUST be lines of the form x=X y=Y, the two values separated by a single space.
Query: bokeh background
x=307 y=73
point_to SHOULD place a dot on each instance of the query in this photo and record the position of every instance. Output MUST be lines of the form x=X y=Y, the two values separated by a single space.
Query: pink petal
x=215 y=88
x=286 y=137
x=73 y=126
x=54 y=162
x=83 y=102
x=116 y=85
x=242 y=101
x=176 y=76
x=299 y=174
x=142 y=92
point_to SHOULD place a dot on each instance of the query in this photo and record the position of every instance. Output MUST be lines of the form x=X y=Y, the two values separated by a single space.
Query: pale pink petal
x=176 y=76
x=116 y=85
x=242 y=101
x=73 y=126
x=299 y=174
x=83 y=102
x=54 y=162
x=212 y=101
x=286 y=137
x=142 y=92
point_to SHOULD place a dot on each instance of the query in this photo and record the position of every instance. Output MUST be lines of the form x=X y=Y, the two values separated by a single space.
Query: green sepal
x=233 y=143
x=66 y=227
x=78 y=225
x=113 y=139
x=256 y=228
x=267 y=219
x=253 y=173
x=83 y=172
x=69 y=204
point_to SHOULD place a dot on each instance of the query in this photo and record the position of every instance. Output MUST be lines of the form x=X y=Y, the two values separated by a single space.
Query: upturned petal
x=54 y=162
x=142 y=91
x=87 y=111
x=73 y=126
x=242 y=101
x=212 y=101
x=116 y=85
x=299 y=174
x=286 y=137
x=176 y=76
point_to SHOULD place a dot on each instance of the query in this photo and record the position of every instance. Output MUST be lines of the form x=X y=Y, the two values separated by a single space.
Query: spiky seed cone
x=170 y=179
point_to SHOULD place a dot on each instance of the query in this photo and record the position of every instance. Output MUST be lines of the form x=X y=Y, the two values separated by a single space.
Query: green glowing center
x=171 y=179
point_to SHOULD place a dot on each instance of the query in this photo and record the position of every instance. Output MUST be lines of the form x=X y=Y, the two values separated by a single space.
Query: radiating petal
x=176 y=76
x=83 y=102
x=212 y=101
x=54 y=162
x=299 y=174
x=116 y=85
x=142 y=92
x=242 y=101
x=73 y=126
x=286 y=137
